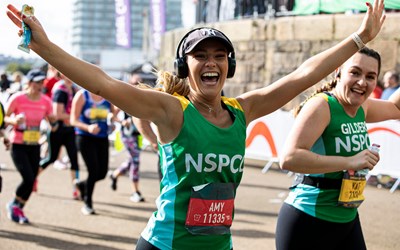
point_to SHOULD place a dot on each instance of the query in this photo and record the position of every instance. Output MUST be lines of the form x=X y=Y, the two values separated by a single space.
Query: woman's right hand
x=7 y=143
x=39 y=37
x=94 y=128
x=365 y=159
x=126 y=123
x=20 y=119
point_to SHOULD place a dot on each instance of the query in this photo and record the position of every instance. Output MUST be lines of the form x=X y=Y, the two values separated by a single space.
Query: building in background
x=93 y=28
x=118 y=34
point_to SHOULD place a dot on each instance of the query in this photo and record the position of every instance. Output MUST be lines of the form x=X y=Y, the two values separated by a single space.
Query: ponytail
x=329 y=86
x=169 y=83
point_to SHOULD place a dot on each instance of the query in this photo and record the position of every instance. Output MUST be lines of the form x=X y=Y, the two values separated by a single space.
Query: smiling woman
x=25 y=111
x=201 y=134
x=329 y=145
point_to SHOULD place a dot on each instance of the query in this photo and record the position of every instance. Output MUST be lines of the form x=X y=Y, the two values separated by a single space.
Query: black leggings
x=298 y=230
x=26 y=159
x=63 y=136
x=143 y=244
x=94 y=151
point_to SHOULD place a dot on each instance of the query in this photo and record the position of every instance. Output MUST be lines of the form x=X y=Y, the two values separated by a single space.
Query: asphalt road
x=57 y=223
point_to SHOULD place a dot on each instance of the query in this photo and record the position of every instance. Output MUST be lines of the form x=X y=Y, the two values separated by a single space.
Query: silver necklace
x=207 y=107
x=210 y=109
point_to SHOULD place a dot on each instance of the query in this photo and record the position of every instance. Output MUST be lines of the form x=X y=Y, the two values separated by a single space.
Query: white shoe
x=136 y=197
x=87 y=210
x=60 y=165
x=65 y=160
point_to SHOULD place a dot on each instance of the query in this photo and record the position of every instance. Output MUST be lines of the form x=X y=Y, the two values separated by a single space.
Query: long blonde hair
x=169 y=83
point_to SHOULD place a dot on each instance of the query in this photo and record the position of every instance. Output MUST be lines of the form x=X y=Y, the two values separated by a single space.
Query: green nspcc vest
x=202 y=166
x=344 y=136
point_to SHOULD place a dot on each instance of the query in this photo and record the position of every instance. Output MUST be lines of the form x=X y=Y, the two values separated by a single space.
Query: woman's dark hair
x=374 y=54
x=332 y=84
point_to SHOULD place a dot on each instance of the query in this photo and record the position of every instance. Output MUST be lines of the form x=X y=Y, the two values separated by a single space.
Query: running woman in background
x=132 y=138
x=25 y=111
x=89 y=114
x=62 y=133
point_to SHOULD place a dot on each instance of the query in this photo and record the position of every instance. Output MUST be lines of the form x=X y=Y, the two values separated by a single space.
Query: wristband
x=356 y=38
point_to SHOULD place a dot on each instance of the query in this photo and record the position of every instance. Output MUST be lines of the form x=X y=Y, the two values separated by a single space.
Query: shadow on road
x=55 y=243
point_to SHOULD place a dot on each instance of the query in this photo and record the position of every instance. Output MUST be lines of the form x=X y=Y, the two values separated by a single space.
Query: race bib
x=351 y=192
x=31 y=136
x=96 y=113
x=210 y=210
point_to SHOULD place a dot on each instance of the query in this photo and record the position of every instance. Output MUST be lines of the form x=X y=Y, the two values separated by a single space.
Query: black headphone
x=181 y=67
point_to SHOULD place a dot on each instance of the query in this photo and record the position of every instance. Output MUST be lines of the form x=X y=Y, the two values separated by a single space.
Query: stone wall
x=267 y=50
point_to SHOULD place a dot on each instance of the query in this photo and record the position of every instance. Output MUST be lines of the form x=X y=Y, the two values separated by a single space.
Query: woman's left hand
x=373 y=21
